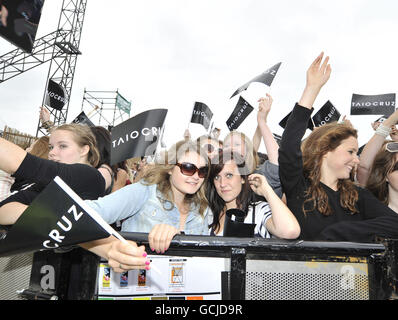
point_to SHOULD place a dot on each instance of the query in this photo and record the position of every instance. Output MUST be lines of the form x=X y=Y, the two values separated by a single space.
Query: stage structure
x=106 y=108
x=66 y=50
x=60 y=47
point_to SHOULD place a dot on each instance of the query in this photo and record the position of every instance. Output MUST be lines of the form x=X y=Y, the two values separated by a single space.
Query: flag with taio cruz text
x=240 y=113
x=56 y=96
x=382 y=104
x=328 y=113
x=137 y=136
x=201 y=114
x=266 y=77
x=57 y=217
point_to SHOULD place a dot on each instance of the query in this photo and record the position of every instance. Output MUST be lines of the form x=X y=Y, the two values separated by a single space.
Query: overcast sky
x=171 y=53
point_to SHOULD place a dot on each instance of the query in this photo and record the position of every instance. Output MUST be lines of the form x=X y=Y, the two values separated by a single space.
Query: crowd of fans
x=312 y=189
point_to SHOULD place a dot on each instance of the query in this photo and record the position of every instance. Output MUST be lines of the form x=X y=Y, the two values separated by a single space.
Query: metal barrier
x=258 y=269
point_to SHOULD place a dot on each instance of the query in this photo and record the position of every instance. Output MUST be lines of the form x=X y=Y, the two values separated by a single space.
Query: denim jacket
x=138 y=206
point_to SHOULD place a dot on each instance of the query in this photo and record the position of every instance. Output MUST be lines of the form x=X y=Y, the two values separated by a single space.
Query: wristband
x=383 y=131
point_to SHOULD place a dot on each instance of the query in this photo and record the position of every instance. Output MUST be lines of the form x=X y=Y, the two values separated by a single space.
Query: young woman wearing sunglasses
x=374 y=145
x=168 y=199
x=317 y=175
x=231 y=187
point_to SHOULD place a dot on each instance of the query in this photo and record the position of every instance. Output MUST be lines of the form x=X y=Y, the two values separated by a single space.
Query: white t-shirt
x=262 y=214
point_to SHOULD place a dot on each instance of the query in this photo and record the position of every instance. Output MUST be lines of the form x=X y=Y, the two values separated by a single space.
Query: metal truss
x=102 y=108
x=60 y=48
x=66 y=50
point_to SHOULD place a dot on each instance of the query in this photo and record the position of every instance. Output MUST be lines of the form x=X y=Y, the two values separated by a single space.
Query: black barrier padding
x=217 y=244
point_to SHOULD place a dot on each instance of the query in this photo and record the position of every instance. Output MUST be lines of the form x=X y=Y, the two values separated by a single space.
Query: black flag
x=83 y=119
x=201 y=114
x=266 y=77
x=240 y=113
x=383 y=104
x=57 y=217
x=137 y=136
x=21 y=21
x=56 y=96
x=328 y=113
x=283 y=122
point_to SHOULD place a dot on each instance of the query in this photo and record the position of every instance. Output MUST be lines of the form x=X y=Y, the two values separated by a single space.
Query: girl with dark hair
x=231 y=186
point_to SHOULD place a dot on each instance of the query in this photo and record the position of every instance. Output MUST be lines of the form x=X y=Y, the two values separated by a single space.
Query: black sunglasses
x=189 y=169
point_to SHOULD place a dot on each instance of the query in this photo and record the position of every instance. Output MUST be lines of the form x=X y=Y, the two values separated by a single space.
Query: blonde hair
x=158 y=174
x=252 y=159
x=83 y=136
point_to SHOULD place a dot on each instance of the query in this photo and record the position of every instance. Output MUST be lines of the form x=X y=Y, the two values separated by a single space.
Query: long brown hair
x=383 y=165
x=158 y=174
x=216 y=203
x=322 y=140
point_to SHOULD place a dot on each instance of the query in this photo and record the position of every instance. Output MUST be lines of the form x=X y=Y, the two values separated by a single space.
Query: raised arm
x=11 y=156
x=282 y=224
x=317 y=75
x=264 y=131
x=290 y=156
x=373 y=146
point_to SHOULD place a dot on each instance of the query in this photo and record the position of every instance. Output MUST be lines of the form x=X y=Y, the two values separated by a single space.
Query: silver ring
x=120 y=266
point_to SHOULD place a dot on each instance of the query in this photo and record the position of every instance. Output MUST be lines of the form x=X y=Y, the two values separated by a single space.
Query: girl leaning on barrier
x=317 y=175
x=169 y=199
x=72 y=156
x=231 y=186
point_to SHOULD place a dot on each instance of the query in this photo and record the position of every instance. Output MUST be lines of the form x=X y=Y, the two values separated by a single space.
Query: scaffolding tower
x=105 y=108
x=66 y=50
x=60 y=47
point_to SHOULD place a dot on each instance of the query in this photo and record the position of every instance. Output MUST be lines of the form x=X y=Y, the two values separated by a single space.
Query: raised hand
x=319 y=72
x=259 y=184
x=264 y=107
x=317 y=75
x=44 y=114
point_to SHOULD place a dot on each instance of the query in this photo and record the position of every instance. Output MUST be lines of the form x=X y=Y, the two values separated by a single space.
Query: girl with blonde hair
x=169 y=199
x=72 y=156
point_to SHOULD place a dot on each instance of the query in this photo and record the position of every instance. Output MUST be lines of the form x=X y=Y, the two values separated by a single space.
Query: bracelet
x=47 y=124
x=383 y=131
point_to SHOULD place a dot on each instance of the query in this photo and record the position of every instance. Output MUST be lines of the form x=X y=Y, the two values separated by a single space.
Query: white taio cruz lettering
x=328 y=117
x=201 y=113
x=374 y=104
x=65 y=224
x=244 y=107
x=149 y=133
x=56 y=96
